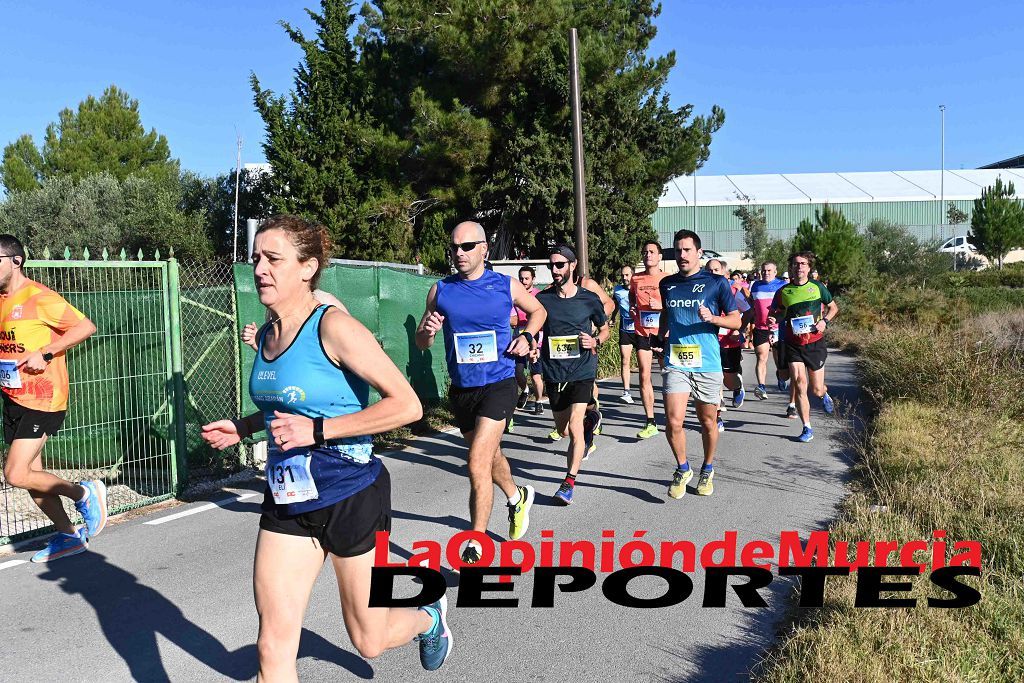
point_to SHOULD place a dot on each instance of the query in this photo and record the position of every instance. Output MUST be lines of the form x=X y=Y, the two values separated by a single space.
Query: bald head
x=715 y=266
x=468 y=231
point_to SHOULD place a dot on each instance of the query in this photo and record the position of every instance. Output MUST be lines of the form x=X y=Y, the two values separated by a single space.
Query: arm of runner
x=349 y=344
x=774 y=309
x=731 y=319
x=249 y=335
x=430 y=323
x=535 y=317
x=606 y=301
x=831 y=311
x=72 y=336
x=328 y=298
x=226 y=433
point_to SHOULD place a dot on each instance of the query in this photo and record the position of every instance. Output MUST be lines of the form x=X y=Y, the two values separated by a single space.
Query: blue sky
x=806 y=86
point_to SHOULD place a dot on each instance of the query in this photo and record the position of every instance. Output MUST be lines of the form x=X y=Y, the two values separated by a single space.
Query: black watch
x=47 y=357
x=318 y=431
x=529 y=337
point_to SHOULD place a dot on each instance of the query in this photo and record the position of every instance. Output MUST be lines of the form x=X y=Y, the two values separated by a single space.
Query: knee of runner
x=277 y=646
x=16 y=476
x=575 y=430
x=367 y=646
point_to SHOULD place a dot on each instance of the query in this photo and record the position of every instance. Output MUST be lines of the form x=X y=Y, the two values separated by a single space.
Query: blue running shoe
x=737 y=397
x=564 y=493
x=828 y=404
x=721 y=426
x=806 y=435
x=436 y=644
x=61 y=545
x=761 y=392
x=94 y=508
x=783 y=384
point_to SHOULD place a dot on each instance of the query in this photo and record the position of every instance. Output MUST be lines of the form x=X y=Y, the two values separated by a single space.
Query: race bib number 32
x=9 y=375
x=803 y=325
x=562 y=348
x=289 y=479
x=685 y=355
x=476 y=347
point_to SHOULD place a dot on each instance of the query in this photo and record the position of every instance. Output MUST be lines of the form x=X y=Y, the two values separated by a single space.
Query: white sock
x=807 y=425
x=514 y=500
x=792 y=405
x=85 y=494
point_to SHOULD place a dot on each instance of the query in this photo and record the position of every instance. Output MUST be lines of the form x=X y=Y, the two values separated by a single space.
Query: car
x=957 y=245
x=710 y=254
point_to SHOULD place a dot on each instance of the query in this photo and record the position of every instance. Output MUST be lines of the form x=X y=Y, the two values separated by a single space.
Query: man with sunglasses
x=472 y=308
x=37 y=327
x=576 y=325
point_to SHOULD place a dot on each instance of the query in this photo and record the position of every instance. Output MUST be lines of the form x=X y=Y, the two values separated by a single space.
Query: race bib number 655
x=685 y=355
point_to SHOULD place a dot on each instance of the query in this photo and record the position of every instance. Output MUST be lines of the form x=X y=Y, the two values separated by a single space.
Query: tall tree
x=103 y=135
x=215 y=198
x=997 y=225
x=837 y=246
x=463 y=113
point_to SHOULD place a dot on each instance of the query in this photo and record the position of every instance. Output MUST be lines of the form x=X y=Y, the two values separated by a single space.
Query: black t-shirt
x=565 y=360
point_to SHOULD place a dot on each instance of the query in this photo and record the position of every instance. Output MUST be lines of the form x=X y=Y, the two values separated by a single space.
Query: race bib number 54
x=685 y=356
x=9 y=375
x=289 y=479
x=476 y=347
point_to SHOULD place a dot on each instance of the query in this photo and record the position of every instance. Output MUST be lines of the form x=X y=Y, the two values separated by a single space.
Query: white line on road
x=12 y=563
x=201 y=508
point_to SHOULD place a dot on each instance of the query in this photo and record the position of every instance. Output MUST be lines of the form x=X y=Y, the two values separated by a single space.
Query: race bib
x=650 y=319
x=803 y=325
x=629 y=326
x=775 y=335
x=476 y=347
x=684 y=356
x=563 y=348
x=9 y=375
x=289 y=478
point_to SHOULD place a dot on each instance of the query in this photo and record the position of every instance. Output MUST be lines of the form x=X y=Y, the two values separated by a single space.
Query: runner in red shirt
x=645 y=307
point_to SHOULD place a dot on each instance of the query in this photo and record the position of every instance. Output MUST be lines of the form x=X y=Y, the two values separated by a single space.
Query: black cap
x=566 y=251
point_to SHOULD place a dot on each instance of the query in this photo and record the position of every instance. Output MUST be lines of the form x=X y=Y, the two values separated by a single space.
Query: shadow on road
x=131 y=614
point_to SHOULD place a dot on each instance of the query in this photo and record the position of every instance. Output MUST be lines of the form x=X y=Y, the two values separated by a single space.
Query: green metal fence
x=162 y=363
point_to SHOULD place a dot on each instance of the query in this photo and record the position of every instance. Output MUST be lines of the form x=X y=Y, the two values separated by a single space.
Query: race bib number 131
x=289 y=479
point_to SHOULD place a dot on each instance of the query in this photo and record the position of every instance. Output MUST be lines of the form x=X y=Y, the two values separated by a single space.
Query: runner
x=645 y=308
x=37 y=327
x=528 y=367
x=627 y=331
x=570 y=360
x=327 y=494
x=766 y=336
x=798 y=306
x=697 y=303
x=731 y=343
x=472 y=308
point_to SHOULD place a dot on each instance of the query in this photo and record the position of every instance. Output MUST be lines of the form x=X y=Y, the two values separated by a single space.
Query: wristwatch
x=529 y=337
x=47 y=357
x=318 y=431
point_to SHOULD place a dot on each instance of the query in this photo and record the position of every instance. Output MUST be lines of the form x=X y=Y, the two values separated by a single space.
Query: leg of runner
x=571 y=420
x=538 y=391
x=798 y=375
x=675 y=414
x=626 y=363
x=817 y=386
x=23 y=470
x=761 y=351
x=522 y=370
x=644 y=359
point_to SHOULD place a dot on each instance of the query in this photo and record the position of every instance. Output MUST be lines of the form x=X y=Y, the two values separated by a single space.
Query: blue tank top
x=476 y=328
x=621 y=295
x=304 y=381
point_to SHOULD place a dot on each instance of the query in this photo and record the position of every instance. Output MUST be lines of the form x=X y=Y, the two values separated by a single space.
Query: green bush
x=990 y=277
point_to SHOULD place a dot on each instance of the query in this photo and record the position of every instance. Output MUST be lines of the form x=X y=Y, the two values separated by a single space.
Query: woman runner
x=327 y=494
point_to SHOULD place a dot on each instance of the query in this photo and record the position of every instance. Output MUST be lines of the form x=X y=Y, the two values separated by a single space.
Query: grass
x=944 y=450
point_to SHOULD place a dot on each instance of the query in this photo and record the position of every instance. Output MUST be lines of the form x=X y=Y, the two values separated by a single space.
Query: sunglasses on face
x=558 y=265
x=464 y=246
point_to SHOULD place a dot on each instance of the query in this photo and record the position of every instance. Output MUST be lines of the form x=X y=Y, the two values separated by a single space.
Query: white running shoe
x=627 y=397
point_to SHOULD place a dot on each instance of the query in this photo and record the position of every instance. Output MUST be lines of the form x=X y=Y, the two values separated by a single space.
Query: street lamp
x=942 y=173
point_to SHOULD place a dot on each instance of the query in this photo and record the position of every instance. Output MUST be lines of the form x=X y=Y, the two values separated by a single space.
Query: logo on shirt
x=266 y=374
x=293 y=394
x=698 y=287
x=17 y=312
x=686 y=303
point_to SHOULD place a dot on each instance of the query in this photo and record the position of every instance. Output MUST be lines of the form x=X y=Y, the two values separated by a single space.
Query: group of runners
x=328 y=494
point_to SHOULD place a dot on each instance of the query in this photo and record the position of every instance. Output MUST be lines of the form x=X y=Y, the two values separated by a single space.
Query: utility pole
x=942 y=174
x=578 y=182
x=238 y=172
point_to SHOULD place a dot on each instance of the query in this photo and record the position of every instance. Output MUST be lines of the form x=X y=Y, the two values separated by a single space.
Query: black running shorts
x=346 y=529
x=762 y=337
x=627 y=338
x=812 y=355
x=732 y=359
x=562 y=395
x=495 y=401
x=24 y=423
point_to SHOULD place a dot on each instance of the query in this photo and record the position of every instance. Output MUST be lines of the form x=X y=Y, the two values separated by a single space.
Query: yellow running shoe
x=704 y=485
x=554 y=435
x=647 y=432
x=519 y=514
x=511 y=425
x=677 y=489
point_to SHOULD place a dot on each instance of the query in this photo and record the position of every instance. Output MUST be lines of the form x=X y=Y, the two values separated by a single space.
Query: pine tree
x=837 y=245
x=997 y=225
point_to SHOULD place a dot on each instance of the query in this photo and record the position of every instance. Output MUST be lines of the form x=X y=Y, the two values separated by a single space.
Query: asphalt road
x=173 y=600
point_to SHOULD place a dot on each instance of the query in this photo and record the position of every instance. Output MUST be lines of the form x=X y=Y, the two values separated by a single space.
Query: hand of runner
x=518 y=347
x=772 y=322
x=33 y=363
x=432 y=325
x=705 y=314
x=588 y=342
x=221 y=434
x=249 y=334
x=658 y=344
x=291 y=431
x=820 y=326
x=535 y=355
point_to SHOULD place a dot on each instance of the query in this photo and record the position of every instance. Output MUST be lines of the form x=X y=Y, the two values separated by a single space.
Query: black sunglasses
x=465 y=246
x=558 y=265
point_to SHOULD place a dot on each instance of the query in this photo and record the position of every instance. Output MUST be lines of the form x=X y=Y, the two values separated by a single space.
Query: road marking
x=202 y=508
x=12 y=563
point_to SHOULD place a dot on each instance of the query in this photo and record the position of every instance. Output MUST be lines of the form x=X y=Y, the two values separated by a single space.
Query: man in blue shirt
x=627 y=330
x=695 y=303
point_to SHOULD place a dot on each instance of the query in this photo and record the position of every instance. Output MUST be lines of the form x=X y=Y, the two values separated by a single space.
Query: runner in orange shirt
x=645 y=307
x=37 y=327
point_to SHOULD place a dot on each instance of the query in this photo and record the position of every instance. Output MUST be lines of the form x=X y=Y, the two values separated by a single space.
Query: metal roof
x=800 y=188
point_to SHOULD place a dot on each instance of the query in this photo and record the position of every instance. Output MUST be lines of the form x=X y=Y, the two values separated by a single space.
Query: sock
x=514 y=500
x=85 y=494
x=707 y=468
x=77 y=534
x=685 y=467
x=807 y=425
x=650 y=421
x=792 y=405
x=761 y=387
x=435 y=617
x=570 y=479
